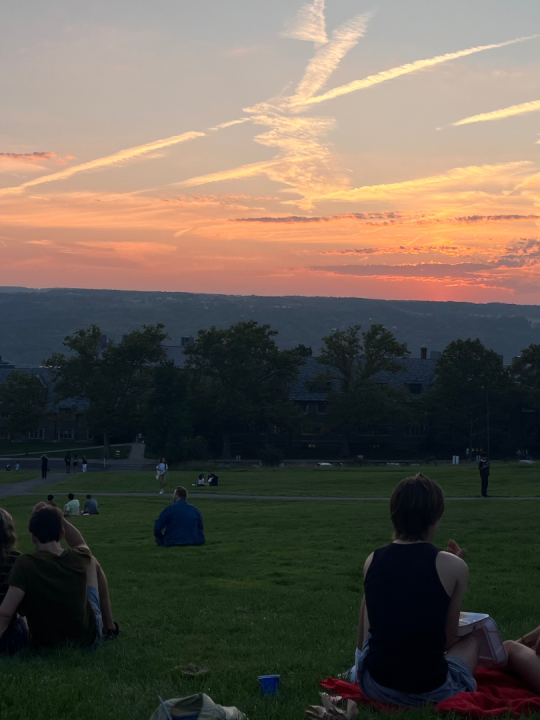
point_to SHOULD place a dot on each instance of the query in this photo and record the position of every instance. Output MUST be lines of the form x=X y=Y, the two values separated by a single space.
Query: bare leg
x=95 y=577
x=162 y=481
x=467 y=649
x=525 y=662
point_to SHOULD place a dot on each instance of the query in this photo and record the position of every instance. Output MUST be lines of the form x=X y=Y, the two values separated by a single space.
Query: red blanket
x=497 y=694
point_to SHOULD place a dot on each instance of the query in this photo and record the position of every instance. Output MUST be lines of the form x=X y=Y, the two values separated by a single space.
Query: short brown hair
x=46 y=524
x=180 y=492
x=8 y=539
x=416 y=504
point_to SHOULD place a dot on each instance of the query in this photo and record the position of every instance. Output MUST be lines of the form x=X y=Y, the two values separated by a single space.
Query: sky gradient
x=380 y=148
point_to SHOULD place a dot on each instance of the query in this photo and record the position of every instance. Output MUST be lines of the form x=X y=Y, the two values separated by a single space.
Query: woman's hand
x=454 y=549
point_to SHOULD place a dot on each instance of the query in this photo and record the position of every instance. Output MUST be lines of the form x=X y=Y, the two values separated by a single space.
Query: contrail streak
x=401 y=70
x=328 y=57
x=119 y=157
x=500 y=114
x=310 y=24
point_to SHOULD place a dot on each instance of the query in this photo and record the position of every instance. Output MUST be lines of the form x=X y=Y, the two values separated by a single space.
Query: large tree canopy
x=240 y=376
x=116 y=380
x=23 y=398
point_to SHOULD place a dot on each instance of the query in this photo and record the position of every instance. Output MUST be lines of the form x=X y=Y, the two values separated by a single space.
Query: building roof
x=415 y=372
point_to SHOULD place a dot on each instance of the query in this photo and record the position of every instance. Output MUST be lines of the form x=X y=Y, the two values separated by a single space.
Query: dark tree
x=167 y=419
x=239 y=376
x=116 y=380
x=23 y=398
x=352 y=361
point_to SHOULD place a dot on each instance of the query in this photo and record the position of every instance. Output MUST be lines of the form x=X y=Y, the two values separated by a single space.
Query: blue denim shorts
x=92 y=596
x=14 y=639
x=459 y=679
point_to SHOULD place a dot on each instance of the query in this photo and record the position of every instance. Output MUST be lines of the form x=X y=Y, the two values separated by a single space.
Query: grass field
x=460 y=481
x=276 y=589
x=16 y=477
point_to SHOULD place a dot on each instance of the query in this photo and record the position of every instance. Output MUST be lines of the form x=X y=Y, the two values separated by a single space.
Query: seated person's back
x=91 y=506
x=55 y=597
x=72 y=507
x=180 y=523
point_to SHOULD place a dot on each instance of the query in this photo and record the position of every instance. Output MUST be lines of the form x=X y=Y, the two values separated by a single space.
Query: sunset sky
x=369 y=148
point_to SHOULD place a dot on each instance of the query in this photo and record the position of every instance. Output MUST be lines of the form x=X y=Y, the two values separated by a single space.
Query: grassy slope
x=16 y=477
x=459 y=481
x=276 y=589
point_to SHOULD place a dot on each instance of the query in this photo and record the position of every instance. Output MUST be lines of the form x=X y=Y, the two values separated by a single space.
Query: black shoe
x=112 y=634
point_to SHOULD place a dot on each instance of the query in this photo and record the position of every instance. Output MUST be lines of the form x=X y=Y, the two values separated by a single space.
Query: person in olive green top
x=62 y=593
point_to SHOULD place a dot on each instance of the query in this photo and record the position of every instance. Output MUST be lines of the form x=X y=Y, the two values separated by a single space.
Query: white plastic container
x=492 y=652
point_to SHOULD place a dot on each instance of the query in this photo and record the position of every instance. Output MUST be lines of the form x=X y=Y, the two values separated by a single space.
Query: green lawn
x=461 y=481
x=15 y=477
x=275 y=590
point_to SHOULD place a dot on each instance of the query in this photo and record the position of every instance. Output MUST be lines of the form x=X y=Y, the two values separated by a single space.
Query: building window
x=321 y=408
x=415 y=388
x=36 y=434
x=65 y=434
x=415 y=431
x=311 y=429
x=89 y=435
x=4 y=416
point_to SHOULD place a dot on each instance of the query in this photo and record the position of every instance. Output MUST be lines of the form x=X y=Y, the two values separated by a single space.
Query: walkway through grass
x=461 y=481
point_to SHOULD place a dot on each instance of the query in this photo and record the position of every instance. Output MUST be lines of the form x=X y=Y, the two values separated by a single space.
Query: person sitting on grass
x=50 y=501
x=62 y=593
x=90 y=506
x=201 y=480
x=16 y=634
x=408 y=650
x=180 y=523
x=72 y=508
x=524 y=658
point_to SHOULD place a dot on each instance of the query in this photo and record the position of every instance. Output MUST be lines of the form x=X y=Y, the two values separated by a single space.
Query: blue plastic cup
x=269 y=684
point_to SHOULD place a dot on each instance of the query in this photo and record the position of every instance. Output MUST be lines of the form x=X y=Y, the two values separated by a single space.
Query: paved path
x=294 y=498
x=28 y=486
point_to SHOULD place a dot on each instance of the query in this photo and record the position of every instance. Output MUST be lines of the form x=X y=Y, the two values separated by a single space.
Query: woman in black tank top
x=407 y=608
x=410 y=612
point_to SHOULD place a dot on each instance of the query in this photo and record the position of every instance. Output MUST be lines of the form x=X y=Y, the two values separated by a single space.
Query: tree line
x=237 y=379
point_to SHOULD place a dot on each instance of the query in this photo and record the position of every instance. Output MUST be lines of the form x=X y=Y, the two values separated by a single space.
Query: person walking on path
x=44 y=467
x=483 y=467
x=67 y=460
x=75 y=463
x=84 y=464
x=161 y=474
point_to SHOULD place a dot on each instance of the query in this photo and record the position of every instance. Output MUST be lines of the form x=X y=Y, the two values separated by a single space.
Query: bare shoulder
x=367 y=564
x=452 y=563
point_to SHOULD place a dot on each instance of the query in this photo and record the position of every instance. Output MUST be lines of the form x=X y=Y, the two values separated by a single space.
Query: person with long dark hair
x=16 y=636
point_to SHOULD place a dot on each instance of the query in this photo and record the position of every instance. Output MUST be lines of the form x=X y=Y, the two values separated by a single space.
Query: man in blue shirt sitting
x=180 y=523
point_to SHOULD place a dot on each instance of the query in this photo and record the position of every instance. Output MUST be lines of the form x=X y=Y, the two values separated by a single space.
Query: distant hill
x=33 y=323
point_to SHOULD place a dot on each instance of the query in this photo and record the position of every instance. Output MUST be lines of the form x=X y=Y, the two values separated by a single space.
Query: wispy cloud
x=401 y=70
x=116 y=159
x=388 y=218
x=309 y=24
x=501 y=114
x=458 y=177
x=327 y=58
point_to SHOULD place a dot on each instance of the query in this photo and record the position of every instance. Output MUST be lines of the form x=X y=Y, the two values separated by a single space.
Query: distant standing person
x=75 y=463
x=84 y=463
x=44 y=467
x=483 y=467
x=67 y=460
x=161 y=474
